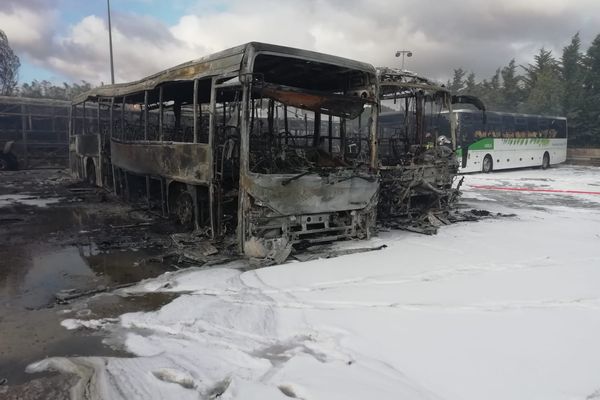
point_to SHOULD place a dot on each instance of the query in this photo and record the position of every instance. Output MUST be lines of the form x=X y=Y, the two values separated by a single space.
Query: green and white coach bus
x=501 y=140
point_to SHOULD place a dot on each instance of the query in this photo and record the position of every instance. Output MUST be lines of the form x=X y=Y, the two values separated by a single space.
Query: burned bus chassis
x=412 y=195
x=324 y=214
x=144 y=146
x=419 y=171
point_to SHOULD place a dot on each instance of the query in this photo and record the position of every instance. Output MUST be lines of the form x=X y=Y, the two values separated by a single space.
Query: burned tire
x=546 y=161
x=8 y=162
x=184 y=209
x=13 y=163
x=3 y=163
x=488 y=164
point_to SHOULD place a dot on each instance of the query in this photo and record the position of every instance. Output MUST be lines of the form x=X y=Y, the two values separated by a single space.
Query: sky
x=67 y=40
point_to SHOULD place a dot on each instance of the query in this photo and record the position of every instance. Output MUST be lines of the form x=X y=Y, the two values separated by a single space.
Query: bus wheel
x=184 y=209
x=546 y=161
x=3 y=163
x=488 y=164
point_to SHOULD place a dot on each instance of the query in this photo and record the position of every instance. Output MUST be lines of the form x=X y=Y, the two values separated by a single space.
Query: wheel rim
x=487 y=164
x=546 y=161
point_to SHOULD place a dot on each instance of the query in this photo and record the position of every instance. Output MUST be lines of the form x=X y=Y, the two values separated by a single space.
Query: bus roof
x=468 y=111
x=225 y=62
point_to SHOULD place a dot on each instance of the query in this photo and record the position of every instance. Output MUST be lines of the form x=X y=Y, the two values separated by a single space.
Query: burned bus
x=416 y=147
x=33 y=132
x=272 y=143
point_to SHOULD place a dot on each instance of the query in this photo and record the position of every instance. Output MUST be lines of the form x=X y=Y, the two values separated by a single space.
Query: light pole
x=112 y=68
x=407 y=53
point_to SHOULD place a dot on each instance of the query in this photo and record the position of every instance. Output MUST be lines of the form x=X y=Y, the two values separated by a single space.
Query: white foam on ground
x=499 y=309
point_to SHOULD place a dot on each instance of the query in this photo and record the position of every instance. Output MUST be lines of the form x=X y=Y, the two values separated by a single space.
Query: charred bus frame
x=33 y=132
x=275 y=143
x=417 y=154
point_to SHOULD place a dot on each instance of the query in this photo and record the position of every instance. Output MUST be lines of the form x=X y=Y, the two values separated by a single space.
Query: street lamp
x=407 y=53
x=112 y=68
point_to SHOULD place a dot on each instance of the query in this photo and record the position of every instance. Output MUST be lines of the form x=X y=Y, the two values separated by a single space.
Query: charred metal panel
x=338 y=105
x=234 y=60
x=312 y=193
x=419 y=166
x=410 y=192
x=87 y=145
x=222 y=63
x=183 y=162
x=285 y=209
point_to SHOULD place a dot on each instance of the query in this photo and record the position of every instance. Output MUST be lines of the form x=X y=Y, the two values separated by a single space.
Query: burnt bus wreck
x=33 y=132
x=416 y=147
x=273 y=144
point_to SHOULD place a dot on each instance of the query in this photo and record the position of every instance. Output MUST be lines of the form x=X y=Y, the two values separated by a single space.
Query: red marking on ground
x=522 y=189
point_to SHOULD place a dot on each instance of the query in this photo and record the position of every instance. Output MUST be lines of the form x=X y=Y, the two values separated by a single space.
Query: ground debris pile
x=429 y=223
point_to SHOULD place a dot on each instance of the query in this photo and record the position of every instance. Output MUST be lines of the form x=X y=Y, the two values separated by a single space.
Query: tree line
x=567 y=86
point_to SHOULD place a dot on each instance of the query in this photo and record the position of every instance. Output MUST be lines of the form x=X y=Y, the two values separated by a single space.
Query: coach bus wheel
x=488 y=163
x=184 y=209
x=546 y=160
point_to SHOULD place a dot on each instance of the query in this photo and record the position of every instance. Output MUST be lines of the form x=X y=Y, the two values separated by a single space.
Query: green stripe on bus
x=526 y=141
x=483 y=144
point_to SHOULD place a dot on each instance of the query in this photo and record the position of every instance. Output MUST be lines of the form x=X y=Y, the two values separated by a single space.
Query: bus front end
x=307 y=154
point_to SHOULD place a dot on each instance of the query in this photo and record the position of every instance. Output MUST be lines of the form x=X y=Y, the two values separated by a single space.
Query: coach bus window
x=133 y=118
x=561 y=128
x=520 y=127
x=203 y=109
x=532 y=125
x=508 y=123
x=78 y=119
x=178 y=123
x=153 y=115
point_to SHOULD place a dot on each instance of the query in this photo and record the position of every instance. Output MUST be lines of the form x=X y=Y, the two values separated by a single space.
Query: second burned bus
x=273 y=143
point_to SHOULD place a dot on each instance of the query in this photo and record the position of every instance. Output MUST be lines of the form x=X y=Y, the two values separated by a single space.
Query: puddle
x=55 y=237
x=26 y=200
x=29 y=336
x=30 y=275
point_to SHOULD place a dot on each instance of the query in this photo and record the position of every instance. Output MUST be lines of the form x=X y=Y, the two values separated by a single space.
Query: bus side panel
x=182 y=162
x=515 y=153
x=558 y=152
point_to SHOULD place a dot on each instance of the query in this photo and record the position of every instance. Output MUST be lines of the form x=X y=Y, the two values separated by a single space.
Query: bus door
x=226 y=122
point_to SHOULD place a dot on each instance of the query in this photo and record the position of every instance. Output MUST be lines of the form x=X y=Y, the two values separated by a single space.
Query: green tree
x=542 y=61
x=543 y=85
x=489 y=91
x=9 y=67
x=511 y=96
x=471 y=87
x=457 y=83
x=46 y=89
x=573 y=73
x=590 y=129
x=545 y=97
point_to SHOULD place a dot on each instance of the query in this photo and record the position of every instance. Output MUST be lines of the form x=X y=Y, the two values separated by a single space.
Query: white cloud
x=475 y=34
x=27 y=29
